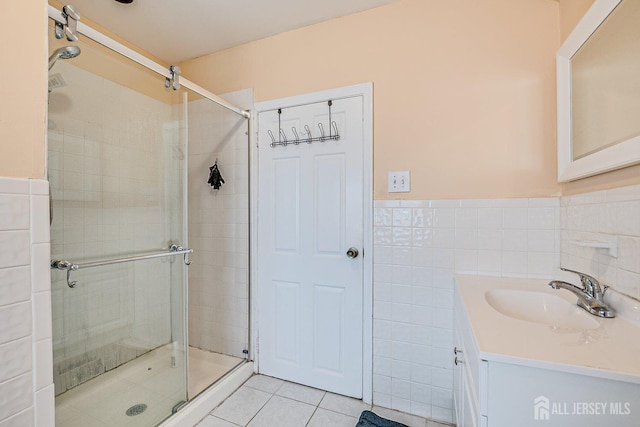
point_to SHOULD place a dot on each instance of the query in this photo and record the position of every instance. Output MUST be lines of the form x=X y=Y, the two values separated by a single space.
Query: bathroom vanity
x=526 y=355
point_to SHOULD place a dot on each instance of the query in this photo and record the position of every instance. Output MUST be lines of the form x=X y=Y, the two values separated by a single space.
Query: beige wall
x=464 y=90
x=23 y=89
x=571 y=11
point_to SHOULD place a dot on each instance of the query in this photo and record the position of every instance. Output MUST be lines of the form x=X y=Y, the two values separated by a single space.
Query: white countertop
x=610 y=350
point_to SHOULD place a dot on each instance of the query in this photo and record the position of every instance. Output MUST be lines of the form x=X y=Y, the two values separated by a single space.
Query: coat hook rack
x=284 y=141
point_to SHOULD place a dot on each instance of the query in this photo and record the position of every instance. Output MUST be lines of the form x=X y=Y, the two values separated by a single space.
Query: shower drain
x=136 y=410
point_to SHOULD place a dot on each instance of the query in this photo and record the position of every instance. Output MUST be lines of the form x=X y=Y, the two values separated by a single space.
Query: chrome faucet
x=590 y=296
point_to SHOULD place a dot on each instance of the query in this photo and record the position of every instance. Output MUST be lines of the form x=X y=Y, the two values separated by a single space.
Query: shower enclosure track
x=127 y=52
x=69 y=266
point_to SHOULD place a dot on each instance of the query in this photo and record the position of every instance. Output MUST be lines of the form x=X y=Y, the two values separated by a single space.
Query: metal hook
x=69 y=282
x=284 y=137
x=66 y=265
x=322 y=137
x=308 y=130
x=273 y=139
x=336 y=135
x=308 y=138
x=177 y=248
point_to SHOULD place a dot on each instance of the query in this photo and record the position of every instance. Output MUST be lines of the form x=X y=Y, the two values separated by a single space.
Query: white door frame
x=366 y=91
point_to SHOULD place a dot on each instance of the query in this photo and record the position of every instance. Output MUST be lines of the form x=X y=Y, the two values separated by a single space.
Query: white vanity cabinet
x=469 y=389
x=511 y=373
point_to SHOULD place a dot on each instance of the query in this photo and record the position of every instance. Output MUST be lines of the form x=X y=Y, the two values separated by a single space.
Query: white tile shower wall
x=418 y=246
x=218 y=227
x=604 y=216
x=26 y=382
x=110 y=153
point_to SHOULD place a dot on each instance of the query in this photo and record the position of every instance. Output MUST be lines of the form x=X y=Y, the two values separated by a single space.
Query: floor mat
x=369 y=419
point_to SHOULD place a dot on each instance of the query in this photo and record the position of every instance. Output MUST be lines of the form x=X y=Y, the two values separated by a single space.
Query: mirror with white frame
x=598 y=70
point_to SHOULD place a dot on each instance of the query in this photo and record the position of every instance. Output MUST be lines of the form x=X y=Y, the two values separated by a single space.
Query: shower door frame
x=365 y=90
x=227 y=383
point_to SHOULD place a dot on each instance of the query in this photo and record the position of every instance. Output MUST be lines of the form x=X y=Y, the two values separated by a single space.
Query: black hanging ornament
x=215 y=177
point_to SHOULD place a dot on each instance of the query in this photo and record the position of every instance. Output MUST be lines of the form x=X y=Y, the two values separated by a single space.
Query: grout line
x=262 y=407
x=311 y=417
x=280 y=386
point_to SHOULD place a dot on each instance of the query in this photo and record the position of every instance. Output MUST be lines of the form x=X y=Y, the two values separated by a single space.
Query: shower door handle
x=352 y=252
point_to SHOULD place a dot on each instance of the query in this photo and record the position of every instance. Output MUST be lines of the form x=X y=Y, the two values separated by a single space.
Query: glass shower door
x=219 y=233
x=116 y=165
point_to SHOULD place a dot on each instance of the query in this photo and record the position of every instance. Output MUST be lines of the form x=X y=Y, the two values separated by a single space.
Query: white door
x=310 y=207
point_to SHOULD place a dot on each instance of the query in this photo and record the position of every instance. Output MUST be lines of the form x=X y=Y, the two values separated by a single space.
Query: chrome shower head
x=65 y=52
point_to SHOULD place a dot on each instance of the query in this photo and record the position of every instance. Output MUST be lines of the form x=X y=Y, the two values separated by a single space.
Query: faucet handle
x=590 y=283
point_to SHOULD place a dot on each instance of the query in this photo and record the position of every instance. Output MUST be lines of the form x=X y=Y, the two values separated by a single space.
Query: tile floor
x=269 y=402
x=149 y=379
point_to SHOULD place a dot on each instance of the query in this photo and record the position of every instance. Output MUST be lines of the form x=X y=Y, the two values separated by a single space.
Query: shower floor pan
x=148 y=380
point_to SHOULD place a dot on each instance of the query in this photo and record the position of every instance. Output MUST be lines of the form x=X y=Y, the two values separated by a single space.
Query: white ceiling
x=177 y=30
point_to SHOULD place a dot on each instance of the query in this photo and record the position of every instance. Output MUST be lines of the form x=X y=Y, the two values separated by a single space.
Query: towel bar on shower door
x=69 y=266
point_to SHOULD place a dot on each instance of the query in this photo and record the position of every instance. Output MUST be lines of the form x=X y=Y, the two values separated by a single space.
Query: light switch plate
x=399 y=182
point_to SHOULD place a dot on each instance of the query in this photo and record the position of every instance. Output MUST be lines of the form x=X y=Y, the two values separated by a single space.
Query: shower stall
x=150 y=292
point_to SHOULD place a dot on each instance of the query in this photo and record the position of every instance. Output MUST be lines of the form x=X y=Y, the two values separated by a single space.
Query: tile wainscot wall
x=418 y=246
x=608 y=216
x=26 y=375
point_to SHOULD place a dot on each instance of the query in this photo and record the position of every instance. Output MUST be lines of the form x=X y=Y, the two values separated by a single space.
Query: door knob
x=352 y=252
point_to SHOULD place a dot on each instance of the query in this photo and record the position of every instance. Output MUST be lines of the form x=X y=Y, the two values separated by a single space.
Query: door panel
x=310 y=211
x=286 y=204
x=328 y=311
x=287 y=301
x=329 y=204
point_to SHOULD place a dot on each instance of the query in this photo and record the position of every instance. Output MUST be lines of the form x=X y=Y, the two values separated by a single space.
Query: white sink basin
x=540 y=307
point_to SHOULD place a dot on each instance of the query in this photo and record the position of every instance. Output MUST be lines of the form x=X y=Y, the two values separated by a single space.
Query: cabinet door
x=469 y=410
x=458 y=381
